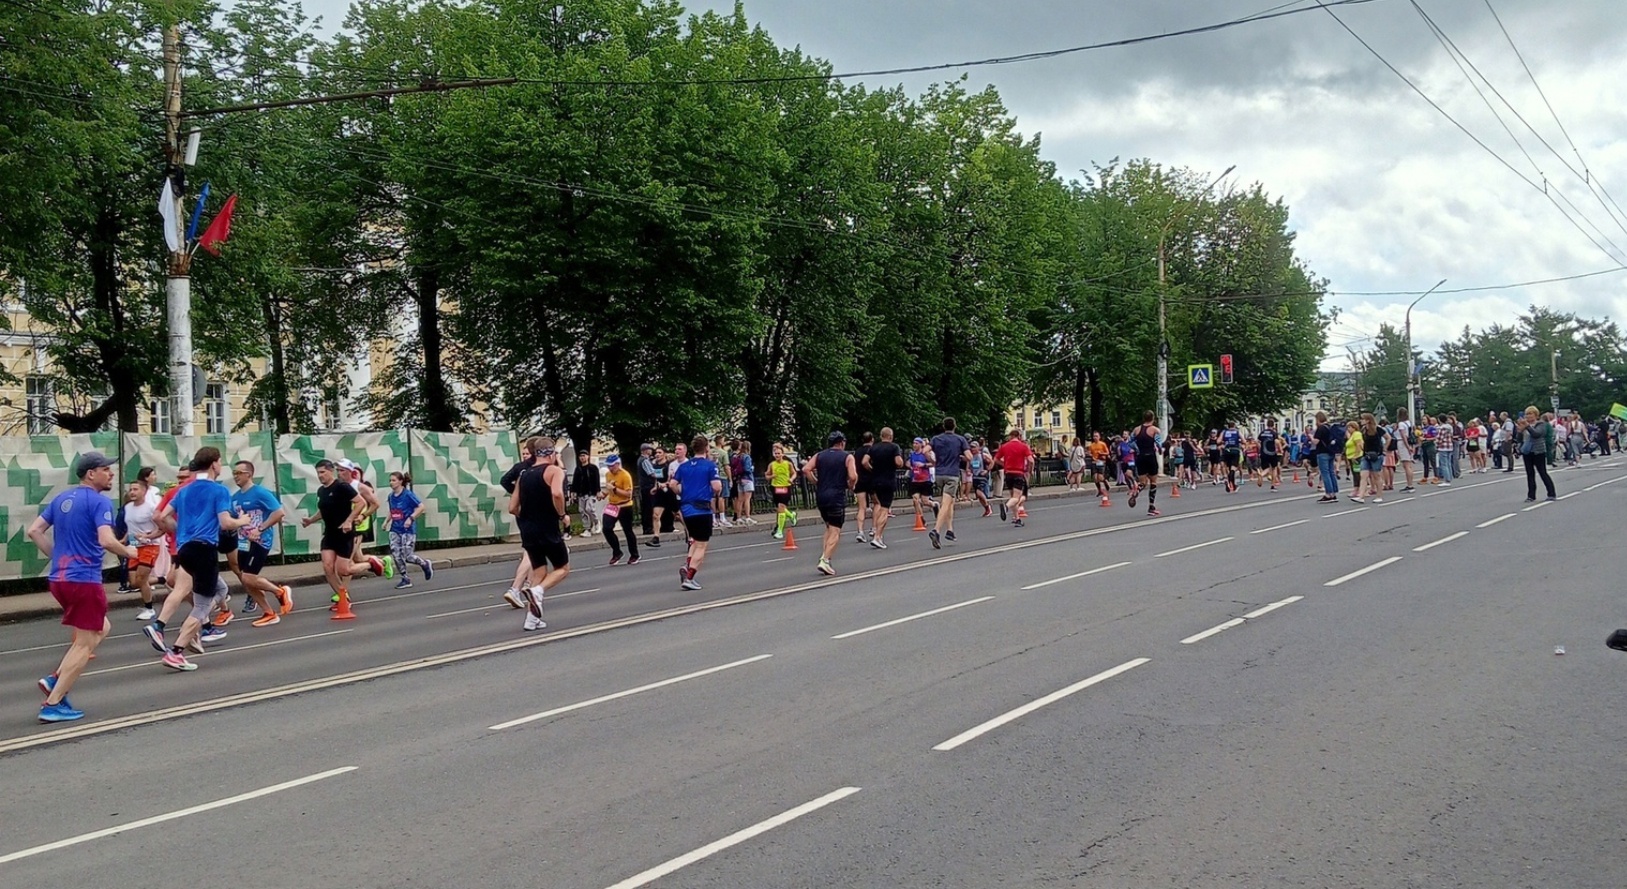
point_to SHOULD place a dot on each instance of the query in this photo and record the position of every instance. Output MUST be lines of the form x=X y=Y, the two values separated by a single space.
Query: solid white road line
x=171 y=816
x=1538 y=505
x=1239 y=621
x=1369 y=569
x=1031 y=706
x=904 y=620
x=1334 y=515
x=1602 y=484
x=1394 y=502
x=504 y=605
x=216 y=651
x=1272 y=607
x=1502 y=518
x=781 y=559
x=1569 y=496
x=628 y=693
x=1279 y=527
x=733 y=839
x=1187 y=549
x=1045 y=583
x=1447 y=539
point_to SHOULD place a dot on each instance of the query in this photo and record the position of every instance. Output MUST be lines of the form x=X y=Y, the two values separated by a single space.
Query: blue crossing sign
x=1200 y=376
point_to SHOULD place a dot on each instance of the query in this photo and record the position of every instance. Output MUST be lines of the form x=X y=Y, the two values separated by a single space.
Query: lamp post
x=1163 y=335
x=1553 y=381
x=1412 y=366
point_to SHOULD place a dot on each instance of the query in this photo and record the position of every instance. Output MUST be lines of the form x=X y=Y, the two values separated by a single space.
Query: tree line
x=670 y=223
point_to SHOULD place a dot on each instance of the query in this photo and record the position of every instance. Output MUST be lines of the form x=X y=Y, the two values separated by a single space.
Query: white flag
x=169 y=208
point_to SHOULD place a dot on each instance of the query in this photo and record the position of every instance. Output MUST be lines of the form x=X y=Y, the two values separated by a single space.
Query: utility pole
x=1553 y=380
x=177 y=282
x=1413 y=383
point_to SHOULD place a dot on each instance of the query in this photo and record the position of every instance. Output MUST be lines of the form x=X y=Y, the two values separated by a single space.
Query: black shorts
x=202 y=562
x=227 y=543
x=1016 y=481
x=1233 y=457
x=543 y=549
x=341 y=542
x=366 y=534
x=920 y=489
x=1098 y=469
x=782 y=496
x=863 y=485
x=699 y=527
x=667 y=499
x=1146 y=466
x=1270 y=461
x=253 y=559
x=884 y=496
x=833 y=512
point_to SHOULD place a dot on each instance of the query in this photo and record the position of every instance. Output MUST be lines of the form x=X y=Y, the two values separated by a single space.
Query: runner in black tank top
x=1145 y=441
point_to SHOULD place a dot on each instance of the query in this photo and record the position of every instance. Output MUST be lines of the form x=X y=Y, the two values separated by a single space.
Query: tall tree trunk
x=280 y=421
x=440 y=414
x=1093 y=382
x=1079 y=406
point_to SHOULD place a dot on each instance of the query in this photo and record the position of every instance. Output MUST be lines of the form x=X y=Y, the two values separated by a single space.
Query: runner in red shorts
x=81 y=522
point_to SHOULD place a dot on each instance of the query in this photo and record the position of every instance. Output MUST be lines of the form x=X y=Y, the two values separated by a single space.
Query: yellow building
x=1048 y=429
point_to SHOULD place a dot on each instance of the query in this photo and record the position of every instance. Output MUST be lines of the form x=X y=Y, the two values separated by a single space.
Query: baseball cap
x=346 y=464
x=91 y=460
x=920 y=441
x=835 y=437
x=612 y=460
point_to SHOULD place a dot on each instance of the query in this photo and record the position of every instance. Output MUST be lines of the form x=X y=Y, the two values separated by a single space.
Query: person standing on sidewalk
x=743 y=471
x=538 y=504
x=618 y=509
x=951 y=450
x=697 y=484
x=833 y=474
x=81 y=524
x=405 y=508
x=585 y=488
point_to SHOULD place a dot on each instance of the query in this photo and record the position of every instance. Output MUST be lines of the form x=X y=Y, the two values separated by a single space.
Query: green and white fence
x=456 y=475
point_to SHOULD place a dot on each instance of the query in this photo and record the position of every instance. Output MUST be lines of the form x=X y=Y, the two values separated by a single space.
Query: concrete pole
x=177 y=283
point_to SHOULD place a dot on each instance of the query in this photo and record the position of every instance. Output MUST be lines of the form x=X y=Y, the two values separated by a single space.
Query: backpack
x=1412 y=435
x=1338 y=435
x=737 y=467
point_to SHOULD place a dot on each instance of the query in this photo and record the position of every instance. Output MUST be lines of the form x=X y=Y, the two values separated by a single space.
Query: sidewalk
x=29 y=606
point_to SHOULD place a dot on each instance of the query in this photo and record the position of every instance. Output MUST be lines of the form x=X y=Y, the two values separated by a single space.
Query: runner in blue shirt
x=405 y=508
x=696 y=482
x=264 y=513
x=198 y=514
x=1231 y=444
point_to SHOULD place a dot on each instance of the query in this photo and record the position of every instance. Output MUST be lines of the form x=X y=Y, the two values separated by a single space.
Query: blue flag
x=197 y=212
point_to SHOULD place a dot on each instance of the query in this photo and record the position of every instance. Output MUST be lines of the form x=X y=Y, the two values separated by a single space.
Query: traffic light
x=1226 y=369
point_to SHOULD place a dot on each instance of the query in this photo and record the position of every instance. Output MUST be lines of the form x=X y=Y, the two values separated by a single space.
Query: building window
x=215 y=408
x=41 y=405
x=1056 y=418
x=160 y=411
x=1038 y=422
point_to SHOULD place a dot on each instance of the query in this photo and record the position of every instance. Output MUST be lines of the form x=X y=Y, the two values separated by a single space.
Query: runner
x=833 y=475
x=143 y=535
x=862 y=489
x=538 y=504
x=1145 y=441
x=254 y=544
x=781 y=472
x=1231 y=444
x=978 y=466
x=696 y=483
x=1271 y=453
x=1015 y=460
x=884 y=460
x=618 y=509
x=510 y=479
x=1189 y=461
x=950 y=450
x=199 y=515
x=405 y=508
x=362 y=532
x=337 y=506
x=920 y=478
x=657 y=478
x=81 y=524
x=1099 y=452
x=1212 y=451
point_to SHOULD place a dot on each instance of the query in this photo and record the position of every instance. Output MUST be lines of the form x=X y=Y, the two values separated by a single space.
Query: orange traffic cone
x=1296 y=476
x=920 y=522
x=1022 y=512
x=343 y=612
x=790 y=538
x=1105 y=503
x=1175 y=490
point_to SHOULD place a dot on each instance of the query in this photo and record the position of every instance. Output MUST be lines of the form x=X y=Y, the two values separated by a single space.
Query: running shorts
x=1017 y=481
x=340 y=542
x=543 y=550
x=84 y=604
x=1146 y=466
x=921 y=489
x=146 y=555
x=782 y=496
x=833 y=512
x=1270 y=461
x=200 y=560
x=863 y=485
x=699 y=527
x=980 y=484
x=253 y=559
x=227 y=543
x=1233 y=457
x=884 y=496
x=946 y=487
x=1098 y=469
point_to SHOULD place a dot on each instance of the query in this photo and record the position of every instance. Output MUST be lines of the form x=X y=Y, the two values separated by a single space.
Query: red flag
x=220 y=229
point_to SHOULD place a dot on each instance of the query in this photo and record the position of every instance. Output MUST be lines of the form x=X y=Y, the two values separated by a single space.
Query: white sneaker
x=146 y=614
x=512 y=597
x=532 y=623
x=1446 y=484
x=876 y=542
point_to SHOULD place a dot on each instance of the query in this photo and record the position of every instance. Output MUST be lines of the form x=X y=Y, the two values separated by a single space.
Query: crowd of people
x=179 y=537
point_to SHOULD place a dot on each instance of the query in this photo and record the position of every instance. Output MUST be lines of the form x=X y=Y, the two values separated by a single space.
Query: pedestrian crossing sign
x=1200 y=376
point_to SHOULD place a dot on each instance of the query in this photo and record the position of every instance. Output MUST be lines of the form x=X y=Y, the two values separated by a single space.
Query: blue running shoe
x=60 y=713
x=428 y=571
x=156 y=637
x=403 y=583
x=48 y=683
x=212 y=634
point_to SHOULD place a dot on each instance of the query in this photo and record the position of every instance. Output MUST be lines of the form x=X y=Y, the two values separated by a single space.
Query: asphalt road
x=1249 y=692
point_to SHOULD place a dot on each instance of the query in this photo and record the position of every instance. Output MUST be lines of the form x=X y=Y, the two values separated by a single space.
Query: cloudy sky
x=1386 y=193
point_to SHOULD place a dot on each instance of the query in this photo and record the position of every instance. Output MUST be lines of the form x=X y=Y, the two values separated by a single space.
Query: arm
x=107 y=537
x=357 y=508
x=417 y=512
x=36 y=533
x=165 y=520
x=808 y=471
x=558 y=488
x=514 y=501
x=852 y=473
x=370 y=501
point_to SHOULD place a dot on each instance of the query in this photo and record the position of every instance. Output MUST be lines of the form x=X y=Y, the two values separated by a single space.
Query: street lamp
x=1553 y=381
x=1163 y=335
x=1412 y=366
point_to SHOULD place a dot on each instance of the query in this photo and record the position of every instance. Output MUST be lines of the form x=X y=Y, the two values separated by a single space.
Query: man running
x=199 y=515
x=951 y=450
x=254 y=544
x=81 y=522
x=978 y=464
x=883 y=461
x=538 y=504
x=1145 y=440
x=696 y=483
x=862 y=488
x=1231 y=444
x=1015 y=459
x=833 y=473
x=362 y=531
x=1271 y=453
x=337 y=507
x=510 y=479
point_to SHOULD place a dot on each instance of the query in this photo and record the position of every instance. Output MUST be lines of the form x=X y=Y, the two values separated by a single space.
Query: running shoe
x=1355 y=499
x=690 y=584
x=1018 y=524
x=632 y=561
x=533 y=623
x=826 y=569
x=177 y=661
x=1134 y=493
x=1551 y=499
x=285 y=596
x=389 y=566
x=212 y=634
x=614 y=561
x=155 y=636
x=949 y=535
x=877 y=543
x=933 y=536
x=1378 y=499
x=512 y=597
x=779 y=535
x=196 y=645
x=250 y=607
x=1002 y=510
x=428 y=570
x=223 y=618
x=269 y=619
x=791 y=516
x=987 y=511
x=146 y=614
x=683 y=578
x=404 y=583
x=60 y=712
x=376 y=565
x=47 y=683
x=1153 y=512
x=334 y=599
